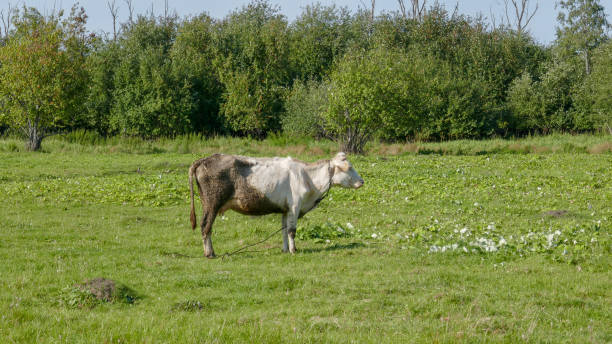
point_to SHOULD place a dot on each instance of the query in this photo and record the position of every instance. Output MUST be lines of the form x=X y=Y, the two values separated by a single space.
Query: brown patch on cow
x=556 y=213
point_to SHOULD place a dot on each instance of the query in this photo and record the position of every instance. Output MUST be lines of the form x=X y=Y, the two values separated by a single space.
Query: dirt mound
x=103 y=289
x=107 y=290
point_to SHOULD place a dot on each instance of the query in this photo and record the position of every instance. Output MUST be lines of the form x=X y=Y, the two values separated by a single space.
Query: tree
x=583 y=26
x=42 y=72
x=192 y=57
x=102 y=64
x=252 y=61
x=317 y=37
x=149 y=99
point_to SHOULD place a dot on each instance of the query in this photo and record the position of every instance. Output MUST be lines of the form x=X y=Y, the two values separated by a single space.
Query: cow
x=260 y=186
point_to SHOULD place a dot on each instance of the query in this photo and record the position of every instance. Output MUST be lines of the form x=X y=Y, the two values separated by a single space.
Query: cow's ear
x=341 y=162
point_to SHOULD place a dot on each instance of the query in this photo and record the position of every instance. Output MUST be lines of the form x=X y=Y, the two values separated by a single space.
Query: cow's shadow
x=246 y=253
x=178 y=255
x=334 y=247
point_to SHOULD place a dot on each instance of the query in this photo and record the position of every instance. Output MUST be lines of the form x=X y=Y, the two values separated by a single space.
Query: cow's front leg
x=285 y=239
x=291 y=228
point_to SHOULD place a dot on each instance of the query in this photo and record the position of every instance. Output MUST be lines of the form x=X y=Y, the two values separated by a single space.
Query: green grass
x=434 y=248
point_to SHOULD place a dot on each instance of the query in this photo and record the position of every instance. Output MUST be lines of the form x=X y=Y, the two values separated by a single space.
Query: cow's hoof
x=210 y=256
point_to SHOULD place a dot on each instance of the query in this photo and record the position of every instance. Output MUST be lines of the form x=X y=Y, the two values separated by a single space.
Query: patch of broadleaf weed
x=151 y=190
x=75 y=297
x=571 y=245
x=327 y=231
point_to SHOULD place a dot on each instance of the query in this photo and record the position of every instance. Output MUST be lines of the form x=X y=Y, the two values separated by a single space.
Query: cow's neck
x=321 y=175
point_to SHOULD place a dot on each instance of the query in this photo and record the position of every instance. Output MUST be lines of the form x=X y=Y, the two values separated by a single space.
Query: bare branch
x=418 y=9
x=372 y=13
x=372 y=6
x=6 y=21
x=402 y=8
x=493 y=20
x=522 y=14
x=455 y=10
x=112 y=7
x=130 y=7
x=506 y=11
x=529 y=17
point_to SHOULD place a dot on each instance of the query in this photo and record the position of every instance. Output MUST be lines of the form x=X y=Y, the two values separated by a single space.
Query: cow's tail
x=192 y=216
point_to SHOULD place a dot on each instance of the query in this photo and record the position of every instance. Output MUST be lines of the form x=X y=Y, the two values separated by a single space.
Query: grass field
x=493 y=241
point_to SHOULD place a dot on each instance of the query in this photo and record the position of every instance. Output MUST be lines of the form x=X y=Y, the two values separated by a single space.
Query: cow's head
x=344 y=173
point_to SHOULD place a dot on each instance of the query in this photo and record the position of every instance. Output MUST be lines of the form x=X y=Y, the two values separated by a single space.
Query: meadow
x=465 y=241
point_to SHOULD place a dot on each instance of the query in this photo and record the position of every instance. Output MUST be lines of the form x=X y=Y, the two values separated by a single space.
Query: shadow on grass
x=178 y=255
x=334 y=247
x=251 y=253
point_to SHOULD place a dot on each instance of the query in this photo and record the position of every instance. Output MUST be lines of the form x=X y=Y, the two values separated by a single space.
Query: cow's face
x=344 y=173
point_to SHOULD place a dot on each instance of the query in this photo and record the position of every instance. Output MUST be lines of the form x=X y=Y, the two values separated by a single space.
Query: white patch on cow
x=272 y=177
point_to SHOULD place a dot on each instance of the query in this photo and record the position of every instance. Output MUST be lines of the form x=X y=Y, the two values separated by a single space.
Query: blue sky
x=542 y=26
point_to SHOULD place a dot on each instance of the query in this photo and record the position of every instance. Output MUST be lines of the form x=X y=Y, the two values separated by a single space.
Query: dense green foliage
x=436 y=77
x=485 y=247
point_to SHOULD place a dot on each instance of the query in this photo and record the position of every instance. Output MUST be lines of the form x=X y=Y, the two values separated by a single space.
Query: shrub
x=593 y=98
x=371 y=92
x=305 y=106
x=545 y=105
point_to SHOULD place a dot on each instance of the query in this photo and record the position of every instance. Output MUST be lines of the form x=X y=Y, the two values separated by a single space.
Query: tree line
x=421 y=73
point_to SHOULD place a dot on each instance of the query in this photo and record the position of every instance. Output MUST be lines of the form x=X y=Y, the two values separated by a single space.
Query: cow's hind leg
x=291 y=226
x=207 y=221
x=285 y=237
